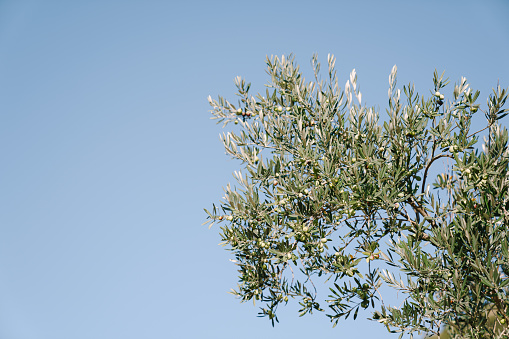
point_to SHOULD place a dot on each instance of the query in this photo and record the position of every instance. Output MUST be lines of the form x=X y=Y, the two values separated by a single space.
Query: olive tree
x=333 y=197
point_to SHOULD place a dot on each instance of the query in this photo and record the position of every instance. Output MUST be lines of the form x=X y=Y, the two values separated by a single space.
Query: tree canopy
x=336 y=204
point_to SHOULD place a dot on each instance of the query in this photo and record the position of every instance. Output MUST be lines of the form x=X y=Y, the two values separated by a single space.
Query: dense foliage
x=331 y=192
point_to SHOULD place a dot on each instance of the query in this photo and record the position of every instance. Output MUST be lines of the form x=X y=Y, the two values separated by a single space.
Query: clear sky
x=108 y=155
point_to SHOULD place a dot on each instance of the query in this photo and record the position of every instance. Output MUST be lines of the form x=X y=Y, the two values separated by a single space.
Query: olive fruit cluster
x=363 y=293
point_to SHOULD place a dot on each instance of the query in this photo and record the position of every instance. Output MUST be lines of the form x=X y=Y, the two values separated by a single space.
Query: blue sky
x=108 y=155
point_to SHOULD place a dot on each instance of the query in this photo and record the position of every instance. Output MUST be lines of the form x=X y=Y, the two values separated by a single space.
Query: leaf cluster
x=330 y=192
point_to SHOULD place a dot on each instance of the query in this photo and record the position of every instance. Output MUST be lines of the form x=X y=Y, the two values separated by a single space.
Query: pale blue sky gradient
x=108 y=156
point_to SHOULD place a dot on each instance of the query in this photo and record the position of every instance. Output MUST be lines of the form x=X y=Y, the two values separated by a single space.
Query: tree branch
x=425 y=176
